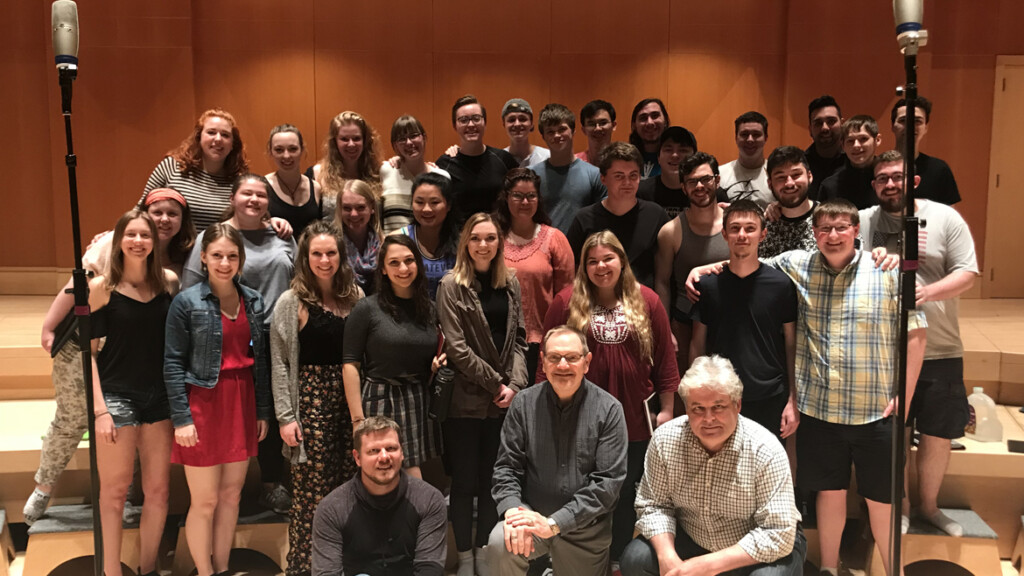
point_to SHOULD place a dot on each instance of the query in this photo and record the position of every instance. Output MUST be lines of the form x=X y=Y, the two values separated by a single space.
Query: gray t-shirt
x=536 y=156
x=746 y=183
x=564 y=190
x=946 y=246
x=269 y=263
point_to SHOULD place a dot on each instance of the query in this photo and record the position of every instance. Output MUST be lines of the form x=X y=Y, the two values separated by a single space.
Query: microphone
x=64 y=17
x=908 y=15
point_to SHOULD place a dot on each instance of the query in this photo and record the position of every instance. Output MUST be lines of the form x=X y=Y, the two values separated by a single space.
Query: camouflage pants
x=69 y=422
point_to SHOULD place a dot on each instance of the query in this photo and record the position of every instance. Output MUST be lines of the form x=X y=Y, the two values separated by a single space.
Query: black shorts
x=127 y=411
x=683 y=318
x=939 y=407
x=825 y=451
x=767 y=412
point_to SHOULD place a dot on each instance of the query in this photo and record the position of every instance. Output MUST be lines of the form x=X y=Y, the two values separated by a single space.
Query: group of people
x=567 y=292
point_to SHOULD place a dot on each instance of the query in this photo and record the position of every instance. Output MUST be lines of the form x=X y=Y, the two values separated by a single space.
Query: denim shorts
x=127 y=411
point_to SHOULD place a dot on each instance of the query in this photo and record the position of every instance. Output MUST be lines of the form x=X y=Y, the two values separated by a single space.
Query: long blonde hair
x=332 y=176
x=463 y=270
x=627 y=290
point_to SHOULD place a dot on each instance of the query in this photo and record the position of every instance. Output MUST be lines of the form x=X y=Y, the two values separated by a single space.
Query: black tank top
x=320 y=340
x=298 y=216
x=132 y=359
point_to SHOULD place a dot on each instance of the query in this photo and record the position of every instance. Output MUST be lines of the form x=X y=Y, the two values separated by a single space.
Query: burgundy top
x=616 y=365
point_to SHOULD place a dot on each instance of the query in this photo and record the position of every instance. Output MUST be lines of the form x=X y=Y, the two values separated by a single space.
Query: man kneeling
x=716 y=496
x=382 y=521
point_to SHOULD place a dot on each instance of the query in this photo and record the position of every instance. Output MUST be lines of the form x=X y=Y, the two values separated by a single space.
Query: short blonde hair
x=713 y=373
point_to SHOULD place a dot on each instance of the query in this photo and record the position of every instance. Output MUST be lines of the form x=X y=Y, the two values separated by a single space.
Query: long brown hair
x=189 y=155
x=386 y=298
x=304 y=284
x=463 y=270
x=332 y=168
x=154 y=266
x=627 y=289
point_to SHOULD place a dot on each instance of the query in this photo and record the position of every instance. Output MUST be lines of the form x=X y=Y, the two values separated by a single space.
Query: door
x=1004 y=270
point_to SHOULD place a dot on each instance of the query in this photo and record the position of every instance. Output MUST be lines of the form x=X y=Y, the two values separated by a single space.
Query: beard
x=894 y=204
x=790 y=201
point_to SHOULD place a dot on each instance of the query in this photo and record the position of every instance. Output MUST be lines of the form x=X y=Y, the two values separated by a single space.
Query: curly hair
x=332 y=168
x=627 y=290
x=188 y=156
x=154 y=266
x=304 y=284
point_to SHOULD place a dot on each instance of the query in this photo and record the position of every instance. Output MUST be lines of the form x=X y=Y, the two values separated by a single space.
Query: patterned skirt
x=327 y=435
x=405 y=402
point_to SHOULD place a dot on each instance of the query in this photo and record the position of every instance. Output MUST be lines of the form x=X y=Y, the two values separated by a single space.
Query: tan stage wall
x=148 y=68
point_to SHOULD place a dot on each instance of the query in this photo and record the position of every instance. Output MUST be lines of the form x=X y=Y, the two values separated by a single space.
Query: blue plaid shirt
x=847 y=332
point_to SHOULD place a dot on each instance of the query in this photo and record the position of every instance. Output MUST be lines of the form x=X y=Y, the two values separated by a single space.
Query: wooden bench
x=264 y=531
x=66 y=533
x=977 y=551
x=6 y=545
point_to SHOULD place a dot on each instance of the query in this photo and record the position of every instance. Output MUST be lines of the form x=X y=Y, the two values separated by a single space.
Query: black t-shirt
x=476 y=180
x=821 y=168
x=654 y=190
x=744 y=319
x=636 y=229
x=937 y=181
x=853 y=184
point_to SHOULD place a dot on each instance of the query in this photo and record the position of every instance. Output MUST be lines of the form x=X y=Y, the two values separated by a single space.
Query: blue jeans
x=639 y=558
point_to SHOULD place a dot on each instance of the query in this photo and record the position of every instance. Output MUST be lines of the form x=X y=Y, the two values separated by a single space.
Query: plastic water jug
x=983 y=424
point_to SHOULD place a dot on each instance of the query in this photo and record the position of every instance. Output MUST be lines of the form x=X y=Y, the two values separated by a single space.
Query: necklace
x=289 y=190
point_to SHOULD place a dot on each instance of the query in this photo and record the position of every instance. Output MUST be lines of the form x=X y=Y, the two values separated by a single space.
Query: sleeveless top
x=695 y=250
x=298 y=216
x=236 y=342
x=321 y=339
x=132 y=359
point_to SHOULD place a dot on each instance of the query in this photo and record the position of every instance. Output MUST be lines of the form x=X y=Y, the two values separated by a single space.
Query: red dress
x=225 y=415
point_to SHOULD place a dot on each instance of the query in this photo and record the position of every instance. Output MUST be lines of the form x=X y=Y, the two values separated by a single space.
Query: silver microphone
x=64 y=17
x=908 y=15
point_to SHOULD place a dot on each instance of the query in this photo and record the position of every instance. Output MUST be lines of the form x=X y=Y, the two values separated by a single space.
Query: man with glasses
x=477 y=170
x=937 y=181
x=634 y=222
x=560 y=467
x=825 y=154
x=852 y=182
x=691 y=239
x=567 y=183
x=947 y=269
x=716 y=495
x=598 y=120
x=745 y=177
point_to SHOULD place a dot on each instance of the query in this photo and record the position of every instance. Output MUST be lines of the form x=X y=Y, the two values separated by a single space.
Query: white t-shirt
x=750 y=184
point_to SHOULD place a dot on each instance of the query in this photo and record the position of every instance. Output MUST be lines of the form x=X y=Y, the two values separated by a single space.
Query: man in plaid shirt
x=716 y=495
x=846 y=358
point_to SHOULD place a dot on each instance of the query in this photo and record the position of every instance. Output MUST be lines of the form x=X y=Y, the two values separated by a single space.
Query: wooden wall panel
x=149 y=68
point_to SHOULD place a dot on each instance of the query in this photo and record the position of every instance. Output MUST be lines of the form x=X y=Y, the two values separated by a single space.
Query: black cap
x=679 y=135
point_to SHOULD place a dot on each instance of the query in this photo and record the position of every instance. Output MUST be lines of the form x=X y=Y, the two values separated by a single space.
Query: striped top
x=208 y=196
x=846 y=336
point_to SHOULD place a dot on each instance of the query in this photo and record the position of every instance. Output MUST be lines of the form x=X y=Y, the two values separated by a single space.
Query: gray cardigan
x=284 y=367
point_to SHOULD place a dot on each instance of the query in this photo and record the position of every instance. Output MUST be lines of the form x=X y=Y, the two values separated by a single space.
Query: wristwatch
x=554 y=527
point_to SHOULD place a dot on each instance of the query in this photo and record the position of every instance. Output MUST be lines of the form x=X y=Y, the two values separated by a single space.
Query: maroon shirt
x=616 y=365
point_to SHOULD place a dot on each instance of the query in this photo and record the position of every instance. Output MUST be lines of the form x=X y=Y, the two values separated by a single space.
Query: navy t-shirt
x=744 y=319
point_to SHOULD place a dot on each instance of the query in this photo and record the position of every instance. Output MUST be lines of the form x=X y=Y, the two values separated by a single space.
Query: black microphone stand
x=81 y=291
x=909 y=44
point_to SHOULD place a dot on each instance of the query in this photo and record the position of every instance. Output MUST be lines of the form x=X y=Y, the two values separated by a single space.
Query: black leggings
x=624 y=515
x=471 y=447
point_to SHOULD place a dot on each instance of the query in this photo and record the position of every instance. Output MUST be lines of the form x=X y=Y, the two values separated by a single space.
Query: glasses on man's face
x=883 y=179
x=591 y=124
x=467 y=120
x=705 y=180
x=826 y=230
x=556 y=359
x=523 y=197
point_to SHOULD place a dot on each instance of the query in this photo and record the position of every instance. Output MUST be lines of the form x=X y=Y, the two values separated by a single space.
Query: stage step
x=263 y=531
x=1017 y=559
x=6 y=545
x=977 y=551
x=66 y=533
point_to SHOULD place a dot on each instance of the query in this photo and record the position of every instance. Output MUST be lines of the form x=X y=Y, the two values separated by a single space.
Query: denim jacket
x=193 y=346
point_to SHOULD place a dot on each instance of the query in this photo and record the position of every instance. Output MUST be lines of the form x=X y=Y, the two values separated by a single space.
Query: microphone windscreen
x=64 y=17
x=908 y=14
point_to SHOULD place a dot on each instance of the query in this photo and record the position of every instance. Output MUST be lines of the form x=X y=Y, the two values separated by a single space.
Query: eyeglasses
x=883 y=179
x=557 y=358
x=705 y=180
x=523 y=197
x=467 y=120
x=826 y=230
x=409 y=138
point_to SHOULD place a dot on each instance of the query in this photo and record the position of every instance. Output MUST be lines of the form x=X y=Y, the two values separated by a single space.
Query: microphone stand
x=909 y=44
x=67 y=75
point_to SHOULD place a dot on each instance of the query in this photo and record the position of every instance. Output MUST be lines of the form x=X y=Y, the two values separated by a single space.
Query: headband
x=159 y=194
